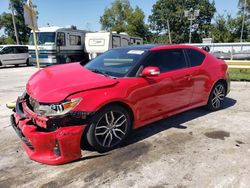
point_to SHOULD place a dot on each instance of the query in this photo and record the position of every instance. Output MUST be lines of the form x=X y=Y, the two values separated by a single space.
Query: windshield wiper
x=100 y=72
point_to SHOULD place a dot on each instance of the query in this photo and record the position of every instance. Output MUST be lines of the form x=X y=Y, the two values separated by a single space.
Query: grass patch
x=239 y=74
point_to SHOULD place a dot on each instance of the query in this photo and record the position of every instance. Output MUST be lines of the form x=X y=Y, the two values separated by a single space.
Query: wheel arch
x=223 y=81
x=84 y=142
x=123 y=105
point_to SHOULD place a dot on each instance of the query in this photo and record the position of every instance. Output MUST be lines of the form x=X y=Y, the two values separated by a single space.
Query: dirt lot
x=192 y=149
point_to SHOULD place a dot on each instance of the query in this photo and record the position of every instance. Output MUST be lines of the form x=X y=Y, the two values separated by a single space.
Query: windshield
x=43 y=38
x=115 y=63
x=1 y=47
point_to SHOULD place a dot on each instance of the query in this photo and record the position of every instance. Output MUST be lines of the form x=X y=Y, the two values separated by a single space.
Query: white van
x=58 y=45
x=14 y=55
x=100 y=42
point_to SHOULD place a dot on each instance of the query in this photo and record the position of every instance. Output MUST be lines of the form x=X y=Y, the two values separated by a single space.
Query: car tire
x=1 y=64
x=28 y=63
x=16 y=65
x=108 y=128
x=68 y=60
x=216 y=97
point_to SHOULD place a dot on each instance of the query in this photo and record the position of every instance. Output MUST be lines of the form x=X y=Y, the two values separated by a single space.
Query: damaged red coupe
x=120 y=90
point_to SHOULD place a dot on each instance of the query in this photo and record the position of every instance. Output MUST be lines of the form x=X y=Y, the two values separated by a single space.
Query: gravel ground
x=192 y=149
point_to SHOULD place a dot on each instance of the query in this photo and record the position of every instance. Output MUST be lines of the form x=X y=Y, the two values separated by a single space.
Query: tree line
x=167 y=19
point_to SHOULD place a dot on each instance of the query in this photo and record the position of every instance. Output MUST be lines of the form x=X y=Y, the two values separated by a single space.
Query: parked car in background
x=243 y=55
x=221 y=55
x=14 y=55
x=122 y=89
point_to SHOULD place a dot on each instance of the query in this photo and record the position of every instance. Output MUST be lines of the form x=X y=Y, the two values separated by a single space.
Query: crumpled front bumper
x=55 y=147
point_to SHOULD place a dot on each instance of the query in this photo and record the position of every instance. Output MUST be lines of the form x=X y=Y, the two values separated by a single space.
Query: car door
x=199 y=75
x=21 y=54
x=7 y=56
x=171 y=90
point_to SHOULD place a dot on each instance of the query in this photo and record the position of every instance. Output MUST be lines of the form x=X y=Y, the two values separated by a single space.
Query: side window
x=61 y=38
x=167 y=60
x=74 y=40
x=20 y=50
x=124 y=42
x=195 y=57
x=116 y=41
x=8 y=50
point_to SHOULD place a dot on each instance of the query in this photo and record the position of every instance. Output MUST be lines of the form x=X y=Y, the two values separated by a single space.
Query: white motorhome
x=99 y=42
x=58 y=45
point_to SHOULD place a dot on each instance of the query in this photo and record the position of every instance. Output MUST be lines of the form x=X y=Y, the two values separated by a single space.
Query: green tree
x=242 y=4
x=172 y=11
x=7 y=24
x=222 y=30
x=121 y=17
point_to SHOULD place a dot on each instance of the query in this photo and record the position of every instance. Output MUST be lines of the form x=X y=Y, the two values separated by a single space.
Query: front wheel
x=108 y=128
x=217 y=96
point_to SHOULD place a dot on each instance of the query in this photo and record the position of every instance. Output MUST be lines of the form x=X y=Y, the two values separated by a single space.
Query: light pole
x=191 y=15
x=243 y=21
x=168 y=26
x=14 y=23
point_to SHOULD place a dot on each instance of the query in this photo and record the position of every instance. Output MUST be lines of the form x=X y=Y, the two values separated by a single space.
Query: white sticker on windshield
x=138 y=52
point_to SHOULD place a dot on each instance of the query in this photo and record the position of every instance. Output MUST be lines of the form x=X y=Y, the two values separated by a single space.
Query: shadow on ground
x=175 y=121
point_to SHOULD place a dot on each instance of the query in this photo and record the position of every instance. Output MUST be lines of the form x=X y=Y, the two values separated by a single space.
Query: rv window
x=43 y=38
x=74 y=40
x=116 y=41
x=61 y=38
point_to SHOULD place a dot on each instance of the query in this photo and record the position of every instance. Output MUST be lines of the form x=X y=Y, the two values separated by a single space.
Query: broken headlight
x=56 y=109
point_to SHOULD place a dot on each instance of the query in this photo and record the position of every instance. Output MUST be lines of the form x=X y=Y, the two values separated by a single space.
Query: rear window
x=195 y=57
x=20 y=50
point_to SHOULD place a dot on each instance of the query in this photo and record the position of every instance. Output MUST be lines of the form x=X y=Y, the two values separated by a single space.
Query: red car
x=120 y=90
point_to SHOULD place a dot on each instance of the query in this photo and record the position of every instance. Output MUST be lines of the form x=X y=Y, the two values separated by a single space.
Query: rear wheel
x=108 y=128
x=28 y=62
x=217 y=96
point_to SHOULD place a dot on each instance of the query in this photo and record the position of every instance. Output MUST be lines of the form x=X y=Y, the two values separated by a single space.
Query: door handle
x=188 y=77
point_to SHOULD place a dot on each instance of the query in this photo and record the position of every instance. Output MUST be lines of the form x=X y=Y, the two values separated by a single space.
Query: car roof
x=138 y=47
x=13 y=45
x=155 y=47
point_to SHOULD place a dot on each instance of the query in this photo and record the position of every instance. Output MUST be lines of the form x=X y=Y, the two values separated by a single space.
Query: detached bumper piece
x=50 y=147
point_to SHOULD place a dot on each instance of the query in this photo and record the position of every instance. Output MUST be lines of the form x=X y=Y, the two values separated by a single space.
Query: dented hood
x=55 y=83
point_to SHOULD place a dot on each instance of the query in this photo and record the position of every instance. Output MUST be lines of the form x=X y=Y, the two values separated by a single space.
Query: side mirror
x=150 y=71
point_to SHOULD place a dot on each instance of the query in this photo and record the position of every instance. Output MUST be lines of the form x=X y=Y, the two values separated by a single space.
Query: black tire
x=1 y=63
x=108 y=128
x=28 y=63
x=68 y=60
x=216 y=97
x=16 y=65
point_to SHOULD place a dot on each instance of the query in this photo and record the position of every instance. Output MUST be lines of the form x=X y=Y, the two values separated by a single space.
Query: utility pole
x=191 y=15
x=243 y=21
x=168 y=26
x=14 y=23
x=169 y=33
